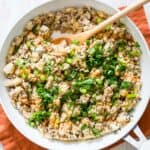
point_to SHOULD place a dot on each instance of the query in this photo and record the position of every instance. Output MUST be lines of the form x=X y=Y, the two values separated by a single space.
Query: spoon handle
x=114 y=18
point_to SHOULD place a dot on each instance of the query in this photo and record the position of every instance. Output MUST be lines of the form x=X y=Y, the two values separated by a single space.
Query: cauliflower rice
x=76 y=91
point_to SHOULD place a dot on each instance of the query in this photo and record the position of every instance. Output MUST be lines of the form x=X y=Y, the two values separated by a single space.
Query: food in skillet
x=72 y=92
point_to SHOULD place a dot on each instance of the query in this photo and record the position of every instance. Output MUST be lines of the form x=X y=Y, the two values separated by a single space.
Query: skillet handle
x=142 y=143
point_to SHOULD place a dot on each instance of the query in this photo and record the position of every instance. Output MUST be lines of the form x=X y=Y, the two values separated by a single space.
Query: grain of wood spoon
x=83 y=36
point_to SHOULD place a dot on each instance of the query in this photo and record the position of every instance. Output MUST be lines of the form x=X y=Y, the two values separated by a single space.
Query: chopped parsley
x=70 y=74
x=75 y=42
x=95 y=57
x=48 y=68
x=38 y=117
x=96 y=132
x=47 y=95
x=84 y=126
x=126 y=85
x=121 y=44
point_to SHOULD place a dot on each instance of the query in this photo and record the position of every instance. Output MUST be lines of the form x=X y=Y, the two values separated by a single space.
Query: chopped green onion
x=47 y=95
x=81 y=76
x=94 y=116
x=47 y=68
x=75 y=119
x=87 y=81
x=135 y=53
x=38 y=117
x=70 y=74
x=121 y=44
x=121 y=67
x=99 y=81
x=70 y=95
x=32 y=124
x=83 y=90
x=28 y=44
x=84 y=126
x=92 y=50
x=136 y=44
x=35 y=29
x=108 y=27
x=112 y=80
x=69 y=60
x=36 y=72
x=126 y=85
x=88 y=42
x=43 y=77
x=106 y=114
x=24 y=76
x=16 y=48
x=76 y=42
x=70 y=104
x=99 y=20
x=115 y=98
x=21 y=63
x=72 y=52
x=109 y=73
x=96 y=132
x=121 y=48
x=131 y=96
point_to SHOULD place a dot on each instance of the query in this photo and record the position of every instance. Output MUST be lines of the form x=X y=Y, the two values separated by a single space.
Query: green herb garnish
x=126 y=85
x=47 y=68
x=38 y=117
x=96 y=132
x=84 y=126
x=99 y=20
x=88 y=42
x=75 y=42
x=108 y=27
x=95 y=57
x=121 y=44
x=132 y=96
x=70 y=74
x=47 y=95
x=21 y=63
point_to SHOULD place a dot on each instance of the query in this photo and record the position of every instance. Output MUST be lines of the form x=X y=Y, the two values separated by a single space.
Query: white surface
x=12 y=10
x=145 y=145
x=147 y=12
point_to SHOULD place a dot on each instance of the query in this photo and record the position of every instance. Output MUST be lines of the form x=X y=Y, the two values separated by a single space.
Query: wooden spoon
x=83 y=36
